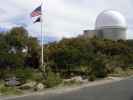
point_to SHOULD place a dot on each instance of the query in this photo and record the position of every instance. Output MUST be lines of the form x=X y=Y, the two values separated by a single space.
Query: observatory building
x=109 y=25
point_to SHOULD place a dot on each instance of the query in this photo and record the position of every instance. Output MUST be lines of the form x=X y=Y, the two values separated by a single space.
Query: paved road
x=122 y=90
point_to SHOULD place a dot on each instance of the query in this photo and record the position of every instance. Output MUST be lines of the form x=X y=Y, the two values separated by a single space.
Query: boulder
x=28 y=85
x=40 y=86
x=12 y=82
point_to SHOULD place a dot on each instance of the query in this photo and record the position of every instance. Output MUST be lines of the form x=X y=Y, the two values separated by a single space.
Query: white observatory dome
x=110 y=18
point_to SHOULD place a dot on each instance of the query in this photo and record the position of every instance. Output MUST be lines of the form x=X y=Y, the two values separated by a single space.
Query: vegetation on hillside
x=89 y=58
x=92 y=57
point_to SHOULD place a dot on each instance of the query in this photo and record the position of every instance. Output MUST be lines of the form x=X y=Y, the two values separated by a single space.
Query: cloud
x=61 y=18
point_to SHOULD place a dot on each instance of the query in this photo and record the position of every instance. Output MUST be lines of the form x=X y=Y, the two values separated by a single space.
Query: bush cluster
x=91 y=57
x=52 y=79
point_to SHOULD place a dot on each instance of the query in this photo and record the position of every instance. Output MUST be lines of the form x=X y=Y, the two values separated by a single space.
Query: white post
x=42 y=62
x=42 y=38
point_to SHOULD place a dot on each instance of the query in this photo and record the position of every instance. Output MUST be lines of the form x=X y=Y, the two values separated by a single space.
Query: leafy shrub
x=92 y=77
x=52 y=79
x=98 y=67
x=9 y=90
x=25 y=73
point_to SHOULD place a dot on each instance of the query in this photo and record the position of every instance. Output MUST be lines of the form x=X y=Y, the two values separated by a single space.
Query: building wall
x=113 y=33
x=89 y=33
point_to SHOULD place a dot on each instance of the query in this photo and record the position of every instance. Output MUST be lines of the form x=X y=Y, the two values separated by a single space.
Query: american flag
x=36 y=12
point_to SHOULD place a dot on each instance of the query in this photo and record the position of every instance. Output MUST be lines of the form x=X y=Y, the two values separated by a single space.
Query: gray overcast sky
x=62 y=18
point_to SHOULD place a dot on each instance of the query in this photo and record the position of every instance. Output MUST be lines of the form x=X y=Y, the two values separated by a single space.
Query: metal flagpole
x=42 y=39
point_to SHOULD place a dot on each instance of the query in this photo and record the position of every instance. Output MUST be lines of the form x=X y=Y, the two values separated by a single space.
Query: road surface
x=122 y=90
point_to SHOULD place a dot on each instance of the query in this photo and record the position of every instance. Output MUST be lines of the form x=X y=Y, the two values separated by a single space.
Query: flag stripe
x=36 y=12
x=33 y=14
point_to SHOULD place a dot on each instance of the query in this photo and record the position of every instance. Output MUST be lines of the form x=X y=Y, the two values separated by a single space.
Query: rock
x=28 y=85
x=12 y=82
x=40 y=86
x=77 y=78
x=84 y=77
